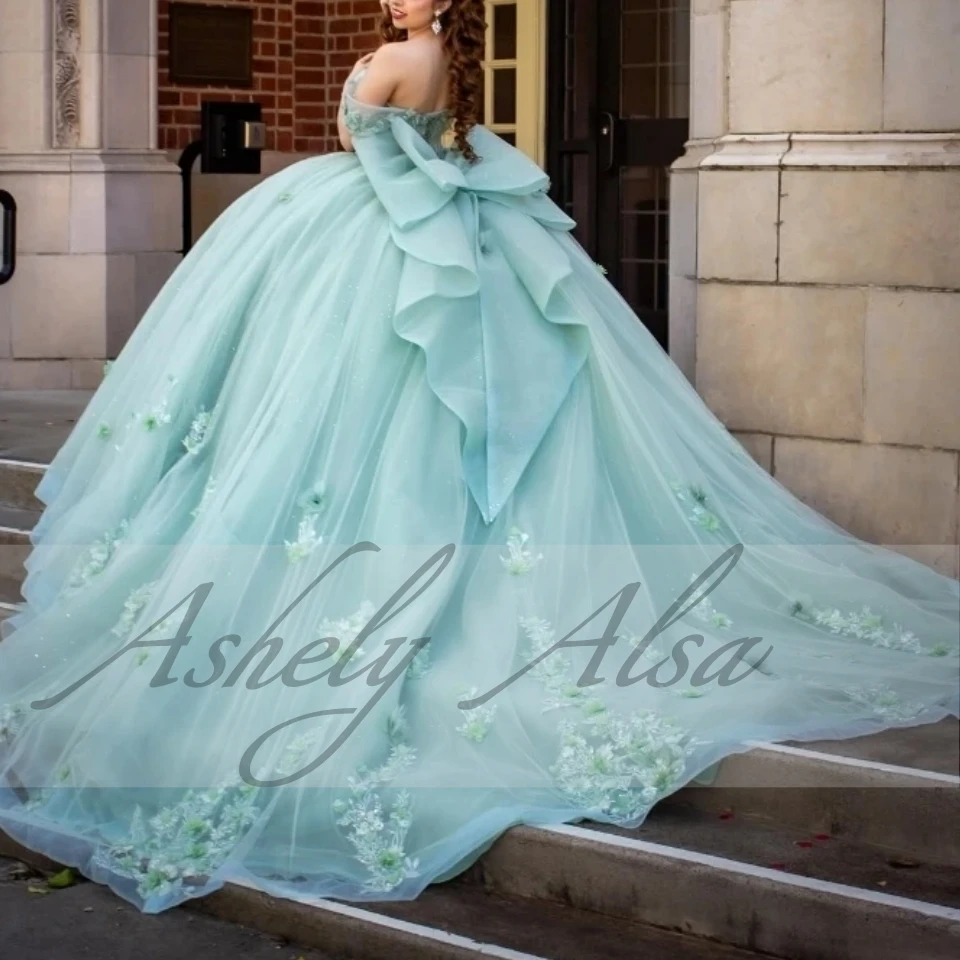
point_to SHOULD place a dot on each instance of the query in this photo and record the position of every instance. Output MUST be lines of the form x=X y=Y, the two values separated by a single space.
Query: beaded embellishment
x=363 y=119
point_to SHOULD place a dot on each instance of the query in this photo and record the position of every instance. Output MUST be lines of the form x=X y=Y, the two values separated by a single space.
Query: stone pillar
x=816 y=257
x=99 y=205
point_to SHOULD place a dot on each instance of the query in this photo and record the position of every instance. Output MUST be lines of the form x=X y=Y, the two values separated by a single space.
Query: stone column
x=816 y=257
x=99 y=205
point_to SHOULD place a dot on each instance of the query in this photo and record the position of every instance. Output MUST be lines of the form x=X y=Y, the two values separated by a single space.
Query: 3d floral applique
x=132 y=606
x=97 y=556
x=184 y=842
x=376 y=822
x=284 y=197
x=209 y=491
x=311 y=504
x=104 y=430
x=867 y=626
x=696 y=496
x=520 y=559
x=346 y=629
x=600 y=267
x=197 y=434
x=314 y=500
x=613 y=764
x=159 y=415
x=554 y=671
x=478 y=720
x=11 y=720
x=308 y=539
x=420 y=664
x=619 y=766
x=704 y=610
x=882 y=701
x=107 y=365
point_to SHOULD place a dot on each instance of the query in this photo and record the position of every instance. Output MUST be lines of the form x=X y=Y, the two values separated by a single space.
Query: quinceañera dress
x=391 y=527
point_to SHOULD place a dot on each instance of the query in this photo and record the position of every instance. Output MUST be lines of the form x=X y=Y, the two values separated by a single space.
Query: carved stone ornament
x=66 y=47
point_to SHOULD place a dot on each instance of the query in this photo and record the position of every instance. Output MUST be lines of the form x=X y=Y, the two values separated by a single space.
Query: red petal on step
x=726 y=815
x=821 y=836
x=778 y=866
x=803 y=843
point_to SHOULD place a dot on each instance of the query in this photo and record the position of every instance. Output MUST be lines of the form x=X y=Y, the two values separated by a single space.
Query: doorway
x=617 y=118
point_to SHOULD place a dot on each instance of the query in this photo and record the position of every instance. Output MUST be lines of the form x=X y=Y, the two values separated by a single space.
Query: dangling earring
x=435 y=26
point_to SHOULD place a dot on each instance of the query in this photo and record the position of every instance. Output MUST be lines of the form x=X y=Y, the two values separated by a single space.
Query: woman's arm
x=376 y=87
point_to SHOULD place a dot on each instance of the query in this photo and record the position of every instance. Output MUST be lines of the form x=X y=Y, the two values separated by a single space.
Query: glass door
x=618 y=120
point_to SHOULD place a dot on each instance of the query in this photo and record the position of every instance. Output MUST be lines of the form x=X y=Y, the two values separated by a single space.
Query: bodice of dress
x=365 y=119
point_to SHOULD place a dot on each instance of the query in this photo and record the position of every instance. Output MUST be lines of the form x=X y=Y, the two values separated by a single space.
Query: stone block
x=883 y=494
x=806 y=65
x=783 y=360
x=737 y=229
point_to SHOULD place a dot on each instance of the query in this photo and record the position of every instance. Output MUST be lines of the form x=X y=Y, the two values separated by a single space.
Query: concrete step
x=761 y=840
x=18 y=480
x=896 y=808
x=574 y=892
x=720 y=899
x=35 y=423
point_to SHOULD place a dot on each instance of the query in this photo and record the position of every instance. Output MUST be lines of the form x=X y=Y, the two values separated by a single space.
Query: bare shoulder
x=391 y=56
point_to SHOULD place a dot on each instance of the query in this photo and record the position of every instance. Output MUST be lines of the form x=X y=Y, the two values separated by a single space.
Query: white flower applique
x=159 y=415
x=609 y=763
x=132 y=607
x=308 y=539
x=346 y=630
x=520 y=559
x=704 y=610
x=209 y=491
x=183 y=843
x=478 y=720
x=11 y=720
x=97 y=556
x=374 y=826
x=197 y=434
x=696 y=496
x=311 y=504
x=867 y=626
x=882 y=701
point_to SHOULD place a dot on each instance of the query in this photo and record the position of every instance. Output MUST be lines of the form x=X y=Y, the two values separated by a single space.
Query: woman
x=392 y=527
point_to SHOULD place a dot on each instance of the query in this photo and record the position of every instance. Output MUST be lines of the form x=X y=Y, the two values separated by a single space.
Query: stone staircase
x=842 y=850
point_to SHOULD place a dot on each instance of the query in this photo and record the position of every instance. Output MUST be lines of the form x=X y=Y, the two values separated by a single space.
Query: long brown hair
x=463 y=37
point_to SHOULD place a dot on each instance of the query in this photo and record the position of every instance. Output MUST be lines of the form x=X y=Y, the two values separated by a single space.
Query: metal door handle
x=8 y=237
x=607 y=130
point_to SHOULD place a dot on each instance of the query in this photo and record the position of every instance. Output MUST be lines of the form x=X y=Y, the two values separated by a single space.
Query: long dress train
x=391 y=527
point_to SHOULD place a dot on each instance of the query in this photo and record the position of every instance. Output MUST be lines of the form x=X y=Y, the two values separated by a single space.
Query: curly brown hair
x=463 y=34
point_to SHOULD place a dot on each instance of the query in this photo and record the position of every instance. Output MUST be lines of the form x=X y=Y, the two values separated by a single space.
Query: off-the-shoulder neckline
x=387 y=106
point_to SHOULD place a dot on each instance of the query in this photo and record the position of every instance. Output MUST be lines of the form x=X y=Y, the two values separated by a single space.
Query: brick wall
x=304 y=50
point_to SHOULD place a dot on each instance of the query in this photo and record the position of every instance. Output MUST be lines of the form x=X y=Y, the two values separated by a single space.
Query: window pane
x=504 y=31
x=505 y=95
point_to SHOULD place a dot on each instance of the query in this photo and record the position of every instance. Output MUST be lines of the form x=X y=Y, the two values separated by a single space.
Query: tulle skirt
x=269 y=635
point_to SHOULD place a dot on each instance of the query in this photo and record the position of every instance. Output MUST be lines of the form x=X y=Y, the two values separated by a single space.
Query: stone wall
x=99 y=205
x=816 y=257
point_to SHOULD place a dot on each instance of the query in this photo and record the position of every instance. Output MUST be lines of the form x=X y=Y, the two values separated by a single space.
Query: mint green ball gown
x=392 y=527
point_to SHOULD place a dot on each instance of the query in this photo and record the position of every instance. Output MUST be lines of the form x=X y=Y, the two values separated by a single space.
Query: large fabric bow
x=481 y=292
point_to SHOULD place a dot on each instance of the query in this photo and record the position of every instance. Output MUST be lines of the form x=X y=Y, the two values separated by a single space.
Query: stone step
x=18 y=481
x=460 y=921
x=897 y=808
x=724 y=900
x=574 y=892
x=35 y=423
